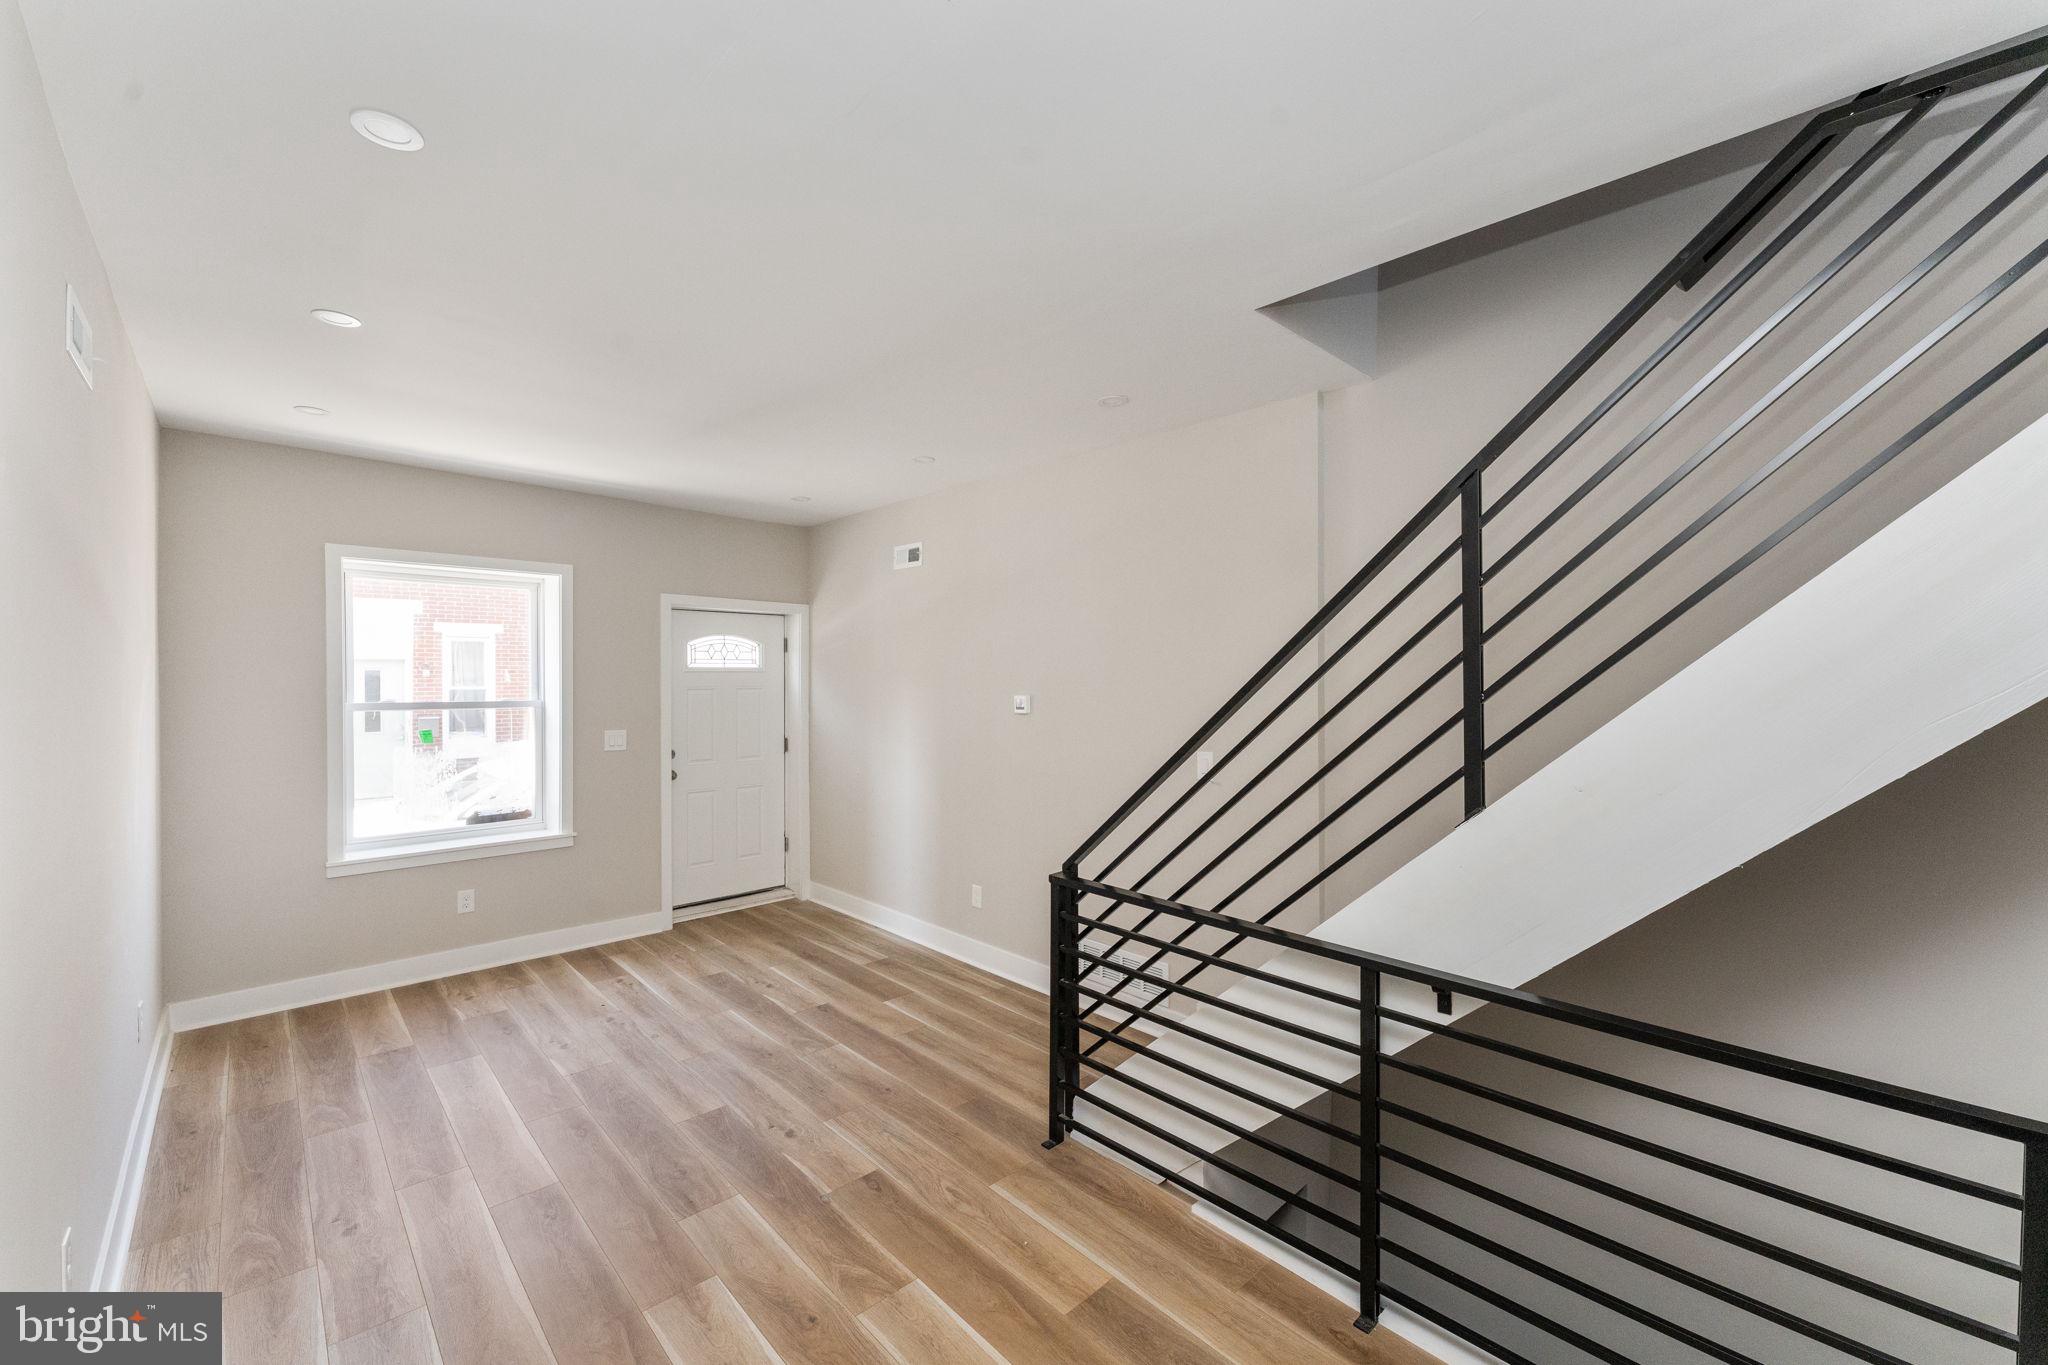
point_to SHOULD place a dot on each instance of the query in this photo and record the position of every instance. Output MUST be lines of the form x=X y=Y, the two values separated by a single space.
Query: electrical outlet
x=1021 y=703
x=974 y=894
x=64 y=1261
x=465 y=901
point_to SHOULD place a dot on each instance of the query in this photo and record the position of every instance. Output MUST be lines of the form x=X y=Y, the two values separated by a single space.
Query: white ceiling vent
x=77 y=335
x=910 y=556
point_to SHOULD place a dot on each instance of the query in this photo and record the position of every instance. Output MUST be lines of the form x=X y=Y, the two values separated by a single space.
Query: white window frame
x=551 y=825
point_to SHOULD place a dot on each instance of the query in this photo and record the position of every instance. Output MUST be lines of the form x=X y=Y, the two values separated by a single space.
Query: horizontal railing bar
x=1423 y=1310
x=1313 y=780
x=1328 y=1040
x=1341 y=599
x=1592 y=1293
x=1771 y=542
x=1237 y=1130
x=1707 y=1108
x=1947 y=328
x=1905 y=283
x=1332 y=867
x=1792 y=231
x=1300 y=689
x=1209 y=1196
x=1920 y=1104
x=1228 y=1167
x=1880 y=1227
x=1623 y=1251
x=1227 y=1087
x=1820 y=1270
x=1252 y=1055
x=1254 y=973
x=1613 y=1303
x=1495 y=1298
x=1281 y=858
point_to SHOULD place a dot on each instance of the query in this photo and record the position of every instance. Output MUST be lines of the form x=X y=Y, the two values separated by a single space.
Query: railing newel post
x=1368 y=1147
x=1472 y=650
x=1063 y=1076
x=2033 y=1318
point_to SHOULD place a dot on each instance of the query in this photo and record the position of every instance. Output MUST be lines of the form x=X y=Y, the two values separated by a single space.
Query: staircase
x=1743 y=561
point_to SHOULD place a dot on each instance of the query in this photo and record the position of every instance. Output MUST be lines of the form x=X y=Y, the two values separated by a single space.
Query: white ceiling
x=723 y=253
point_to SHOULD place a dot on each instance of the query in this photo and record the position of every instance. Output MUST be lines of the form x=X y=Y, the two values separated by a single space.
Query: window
x=449 y=702
x=722 y=651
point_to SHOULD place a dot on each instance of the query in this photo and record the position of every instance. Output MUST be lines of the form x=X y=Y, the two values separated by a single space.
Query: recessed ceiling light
x=924 y=459
x=309 y=409
x=387 y=130
x=1115 y=400
x=337 y=319
x=800 y=498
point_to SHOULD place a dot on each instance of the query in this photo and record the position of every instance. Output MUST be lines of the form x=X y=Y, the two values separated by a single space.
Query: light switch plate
x=1021 y=703
x=614 y=740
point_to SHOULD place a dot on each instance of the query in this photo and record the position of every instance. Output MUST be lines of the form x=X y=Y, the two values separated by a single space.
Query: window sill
x=424 y=855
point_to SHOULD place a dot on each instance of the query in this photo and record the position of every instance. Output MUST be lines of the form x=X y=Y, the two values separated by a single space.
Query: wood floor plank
x=1136 y=1330
x=411 y=1124
x=494 y=1143
x=366 y=1263
x=823 y=1155
x=1051 y=1265
x=431 y=1022
x=407 y=1340
x=705 y=1325
x=769 y=1137
x=266 y=1227
x=799 y=1316
x=919 y=1329
x=199 y=1057
x=182 y=1193
x=570 y=1045
x=985 y=1293
x=259 y=1063
x=533 y=1084
x=374 y=1023
x=922 y=1070
x=276 y=1323
x=324 y=1055
x=480 y=1310
x=584 y=1310
x=664 y=1154
x=640 y=1236
x=186 y=1263
x=859 y=1273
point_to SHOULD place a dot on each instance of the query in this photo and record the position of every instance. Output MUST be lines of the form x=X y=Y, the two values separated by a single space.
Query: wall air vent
x=1142 y=991
x=910 y=556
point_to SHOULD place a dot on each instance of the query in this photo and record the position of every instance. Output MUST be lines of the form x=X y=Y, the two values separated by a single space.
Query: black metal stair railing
x=1891 y=283
x=1405 y=1148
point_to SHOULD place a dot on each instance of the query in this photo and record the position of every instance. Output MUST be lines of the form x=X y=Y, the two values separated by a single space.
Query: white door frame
x=797 y=722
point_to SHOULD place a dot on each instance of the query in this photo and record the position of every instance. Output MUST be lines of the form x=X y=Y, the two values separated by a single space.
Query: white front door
x=726 y=769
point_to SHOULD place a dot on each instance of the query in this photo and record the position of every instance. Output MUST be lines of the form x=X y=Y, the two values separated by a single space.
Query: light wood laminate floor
x=774 y=1134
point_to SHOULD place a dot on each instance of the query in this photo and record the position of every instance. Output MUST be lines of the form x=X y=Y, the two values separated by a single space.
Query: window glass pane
x=417 y=773
x=417 y=631
x=722 y=651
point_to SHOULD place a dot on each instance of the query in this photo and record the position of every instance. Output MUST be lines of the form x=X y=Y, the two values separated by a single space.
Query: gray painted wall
x=78 y=768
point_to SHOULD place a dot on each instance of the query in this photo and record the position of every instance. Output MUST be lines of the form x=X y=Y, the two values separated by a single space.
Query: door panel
x=727 y=673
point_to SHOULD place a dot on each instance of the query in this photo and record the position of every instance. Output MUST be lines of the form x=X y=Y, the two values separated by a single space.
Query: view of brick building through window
x=436 y=643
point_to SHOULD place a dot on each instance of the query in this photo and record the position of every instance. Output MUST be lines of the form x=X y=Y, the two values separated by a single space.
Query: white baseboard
x=1001 y=961
x=112 y=1262
x=312 y=990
